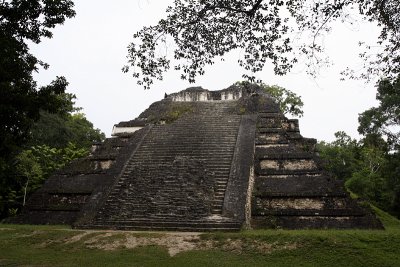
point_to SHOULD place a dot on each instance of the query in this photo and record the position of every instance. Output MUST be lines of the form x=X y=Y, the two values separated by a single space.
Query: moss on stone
x=168 y=112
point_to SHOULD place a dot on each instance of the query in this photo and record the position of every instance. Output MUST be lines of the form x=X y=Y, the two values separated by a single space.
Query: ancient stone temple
x=200 y=160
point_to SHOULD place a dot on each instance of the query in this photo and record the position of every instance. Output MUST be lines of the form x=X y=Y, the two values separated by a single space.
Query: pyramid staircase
x=177 y=178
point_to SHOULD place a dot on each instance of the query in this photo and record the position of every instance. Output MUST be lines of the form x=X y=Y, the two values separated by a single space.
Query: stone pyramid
x=200 y=160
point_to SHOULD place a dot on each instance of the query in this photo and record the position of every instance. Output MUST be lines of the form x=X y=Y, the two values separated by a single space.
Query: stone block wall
x=291 y=189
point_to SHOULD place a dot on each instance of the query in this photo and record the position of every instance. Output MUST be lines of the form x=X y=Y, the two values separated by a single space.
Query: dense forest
x=54 y=141
x=40 y=128
x=370 y=167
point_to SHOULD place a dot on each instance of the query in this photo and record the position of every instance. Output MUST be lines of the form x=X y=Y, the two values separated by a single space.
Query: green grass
x=27 y=245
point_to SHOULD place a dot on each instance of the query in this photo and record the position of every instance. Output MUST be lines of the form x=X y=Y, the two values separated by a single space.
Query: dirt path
x=174 y=242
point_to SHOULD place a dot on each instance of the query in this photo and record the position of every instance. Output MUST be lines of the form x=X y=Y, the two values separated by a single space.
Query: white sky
x=90 y=50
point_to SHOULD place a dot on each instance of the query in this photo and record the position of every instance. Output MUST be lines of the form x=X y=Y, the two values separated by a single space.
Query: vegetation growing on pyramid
x=289 y=102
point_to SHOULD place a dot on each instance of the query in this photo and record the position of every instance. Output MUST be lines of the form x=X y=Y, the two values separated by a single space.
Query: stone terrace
x=291 y=189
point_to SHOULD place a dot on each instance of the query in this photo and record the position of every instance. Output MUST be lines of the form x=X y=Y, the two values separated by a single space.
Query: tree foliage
x=384 y=120
x=206 y=30
x=20 y=98
x=55 y=140
x=58 y=131
x=370 y=167
x=32 y=167
x=340 y=155
x=369 y=171
x=289 y=102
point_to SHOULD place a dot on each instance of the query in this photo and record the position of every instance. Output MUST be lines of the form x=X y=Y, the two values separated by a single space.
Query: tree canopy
x=21 y=100
x=58 y=131
x=55 y=140
x=370 y=167
x=203 y=31
x=384 y=120
x=288 y=101
x=369 y=171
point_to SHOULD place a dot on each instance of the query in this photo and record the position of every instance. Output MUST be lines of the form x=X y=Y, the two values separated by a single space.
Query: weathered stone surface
x=200 y=160
x=79 y=187
x=237 y=200
x=179 y=173
x=291 y=190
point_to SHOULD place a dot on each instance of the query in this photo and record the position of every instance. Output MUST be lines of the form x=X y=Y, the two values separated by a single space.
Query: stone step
x=289 y=165
x=270 y=130
x=182 y=220
x=274 y=146
x=216 y=135
x=217 y=203
x=315 y=222
x=183 y=156
x=218 y=144
x=262 y=114
x=311 y=212
x=160 y=226
x=281 y=129
x=297 y=185
x=216 y=210
x=203 y=149
x=264 y=172
x=281 y=154
x=217 y=147
x=215 y=171
x=189 y=156
x=306 y=206
x=220 y=189
x=271 y=139
x=280 y=141
x=310 y=193
x=199 y=147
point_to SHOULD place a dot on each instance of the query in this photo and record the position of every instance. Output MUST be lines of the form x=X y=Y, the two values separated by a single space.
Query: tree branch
x=220 y=6
x=209 y=7
x=255 y=7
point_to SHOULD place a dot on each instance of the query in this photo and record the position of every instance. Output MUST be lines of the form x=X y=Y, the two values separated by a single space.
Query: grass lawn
x=28 y=245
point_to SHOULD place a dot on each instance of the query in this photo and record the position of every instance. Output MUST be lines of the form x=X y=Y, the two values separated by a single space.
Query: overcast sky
x=90 y=50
